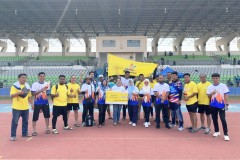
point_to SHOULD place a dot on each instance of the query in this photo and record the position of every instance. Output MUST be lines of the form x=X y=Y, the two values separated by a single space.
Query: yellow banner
x=118 y=66
x=114 y=97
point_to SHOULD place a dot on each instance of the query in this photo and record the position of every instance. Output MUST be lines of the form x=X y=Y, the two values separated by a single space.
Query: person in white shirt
x=39 y=90
x=117 y=107
x=88 y=91
x=161 y=91
x=218 y=93
x=125 y=82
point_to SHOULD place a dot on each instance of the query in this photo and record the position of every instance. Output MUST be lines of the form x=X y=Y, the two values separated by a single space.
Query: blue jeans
x=16 y=114
x=176 y=110
x=116 y=112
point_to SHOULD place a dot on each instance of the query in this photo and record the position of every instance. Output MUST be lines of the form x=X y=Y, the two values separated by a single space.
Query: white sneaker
x=13 y=138
x=172 y=125
x=180 y=128
x=149 y=123
x=226 y=138
x=115 y=123
x=216 y=134
x=130 y=123
x=134 y=125
x=146 y=125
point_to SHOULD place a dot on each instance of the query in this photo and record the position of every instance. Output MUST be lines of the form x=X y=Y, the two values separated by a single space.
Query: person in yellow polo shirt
x=73 y=100
x=139 y=84
x=203 y=103
x=190 y=96
x=59 y=94
x=21 y=94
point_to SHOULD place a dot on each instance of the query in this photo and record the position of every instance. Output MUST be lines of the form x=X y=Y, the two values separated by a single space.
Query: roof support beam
x=238 y=44
x=177 y=44
x=3 y=46
x=20 y=45
x=88 y=44
x=43 y=45
x=225 y=42
x=65 y=45
x=155 y=43
x=200 y=44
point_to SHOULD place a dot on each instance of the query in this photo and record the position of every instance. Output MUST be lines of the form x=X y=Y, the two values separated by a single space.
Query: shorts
x=192 y=108
x=204 y=109
x=45 y=109
x=59 y=110
x=72 y=106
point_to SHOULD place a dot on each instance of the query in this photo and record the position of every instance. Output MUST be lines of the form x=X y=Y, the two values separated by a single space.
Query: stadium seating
x=208 y=70
x=181 y=60
x=9 y=77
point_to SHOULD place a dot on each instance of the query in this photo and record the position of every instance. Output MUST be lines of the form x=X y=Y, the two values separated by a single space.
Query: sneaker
x=130 y=123
x=168 y=127
x=149 y=123
x=172 y=125
x=146 y=124
x=189 y=128
x=13 y=138
x=193 y=130
x=27 y=135
x=83 y=124
x=115 y=123
x=216 y=134
x=67 y=128
x=180 y=128
x=158 y=127
x=202 y=128
x=207 y=131
x=54 y=131
x=226 y=138
x=134 y=124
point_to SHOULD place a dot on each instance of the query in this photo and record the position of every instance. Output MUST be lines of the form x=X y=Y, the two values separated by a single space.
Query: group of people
x=152 y=93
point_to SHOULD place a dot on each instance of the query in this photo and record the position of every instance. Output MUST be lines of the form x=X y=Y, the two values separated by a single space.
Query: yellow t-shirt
x=20 y=103
x=189 y=89
x=75 y=87
x=61 y=100
x=152 y=84
x=202 y=93
x=155 y=81
x=139 y=86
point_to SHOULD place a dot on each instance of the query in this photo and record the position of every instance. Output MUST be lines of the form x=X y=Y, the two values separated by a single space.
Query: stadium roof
x=76 y=18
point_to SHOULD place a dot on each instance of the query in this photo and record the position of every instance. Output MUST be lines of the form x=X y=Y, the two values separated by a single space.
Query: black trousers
x=146 y=113
x=164 y=109
x=124 y=111
x=221 y=112
x=87 y=109
x=57 y=111
x=102 y=112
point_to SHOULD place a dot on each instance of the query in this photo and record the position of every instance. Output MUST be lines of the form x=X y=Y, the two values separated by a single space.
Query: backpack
x=57 y=88
x=89 y=121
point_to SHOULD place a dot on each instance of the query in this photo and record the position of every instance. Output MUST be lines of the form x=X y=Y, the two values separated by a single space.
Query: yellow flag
x=118 y=66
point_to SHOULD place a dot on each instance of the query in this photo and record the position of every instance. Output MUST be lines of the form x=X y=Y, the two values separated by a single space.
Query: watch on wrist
x=227 y=104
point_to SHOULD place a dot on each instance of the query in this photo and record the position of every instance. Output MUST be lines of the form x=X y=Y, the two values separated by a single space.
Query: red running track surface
x=120 y=142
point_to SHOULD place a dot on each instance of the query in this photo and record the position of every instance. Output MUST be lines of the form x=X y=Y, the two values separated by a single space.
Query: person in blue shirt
x=161 y=91
x=100 y=100
x=145 y=93
x=132 y=103
x=175 y=96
